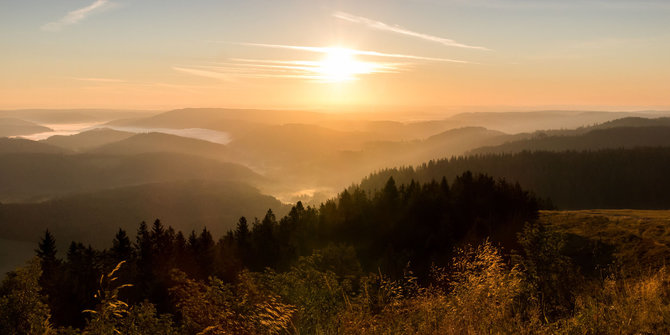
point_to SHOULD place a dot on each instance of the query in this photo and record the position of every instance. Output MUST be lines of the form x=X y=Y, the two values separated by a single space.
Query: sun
x=340 y=64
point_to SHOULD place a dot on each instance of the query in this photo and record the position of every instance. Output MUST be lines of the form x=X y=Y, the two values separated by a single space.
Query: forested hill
x=617 y=178
x=28 y=176
x=609 y=137
x=410 y=227
x=91 y=217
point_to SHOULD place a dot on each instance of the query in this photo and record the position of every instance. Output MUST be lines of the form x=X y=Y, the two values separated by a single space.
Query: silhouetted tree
x=122 y=249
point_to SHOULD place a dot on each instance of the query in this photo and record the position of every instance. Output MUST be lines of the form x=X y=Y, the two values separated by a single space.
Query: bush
x=220 y=308
x=23 y=309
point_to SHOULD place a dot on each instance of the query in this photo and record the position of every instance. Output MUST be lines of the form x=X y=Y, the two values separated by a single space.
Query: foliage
x=478 y=295
x=220 y=308
x=110 y=310
x=320 y=286
x=144 y=319
x=551 y=274
x=623 y=306
x=114 y=316
x=23 y=310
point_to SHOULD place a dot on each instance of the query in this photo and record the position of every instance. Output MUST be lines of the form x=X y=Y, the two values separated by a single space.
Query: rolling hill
x=93 y=217
x=605 y=138
x=635 y=122
x=31 y=177
x=518 y=122
x=24 y=146
x=18 y=127
x=87 y=140
x=159 y=142
x=234 y=121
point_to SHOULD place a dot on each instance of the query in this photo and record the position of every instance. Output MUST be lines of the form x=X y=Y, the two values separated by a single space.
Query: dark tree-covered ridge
x=618 y=178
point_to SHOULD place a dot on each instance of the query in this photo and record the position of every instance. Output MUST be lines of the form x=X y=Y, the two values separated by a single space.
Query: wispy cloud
x=263 y=68
x=356 y=52
x=204 y=73
x=335 y=64
x=78 y=15
x=402 y=31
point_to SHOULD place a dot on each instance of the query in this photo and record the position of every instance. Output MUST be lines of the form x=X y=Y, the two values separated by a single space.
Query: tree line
x=617 y=178
x=396 y=230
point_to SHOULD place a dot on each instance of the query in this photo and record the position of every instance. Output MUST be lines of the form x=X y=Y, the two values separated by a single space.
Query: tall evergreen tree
x=122 y=250
x=46 y=249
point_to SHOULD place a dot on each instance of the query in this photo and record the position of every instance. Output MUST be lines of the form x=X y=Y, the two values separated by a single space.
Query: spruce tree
x=121 y=248
x=46 y=250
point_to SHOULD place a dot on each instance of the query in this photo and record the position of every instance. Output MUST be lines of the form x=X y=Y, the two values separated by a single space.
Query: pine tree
x=242 y=231
x=46 y=250
x=121 y=247
x=204 y=253
x=390 y=190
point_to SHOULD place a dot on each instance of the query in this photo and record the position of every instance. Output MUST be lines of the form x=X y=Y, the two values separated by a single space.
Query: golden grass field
x=641 y=238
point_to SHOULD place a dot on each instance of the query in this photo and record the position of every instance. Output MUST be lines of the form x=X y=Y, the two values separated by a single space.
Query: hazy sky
x=313 y=54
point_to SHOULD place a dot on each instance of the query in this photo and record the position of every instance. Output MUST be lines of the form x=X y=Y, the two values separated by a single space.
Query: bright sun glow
x=340 y=65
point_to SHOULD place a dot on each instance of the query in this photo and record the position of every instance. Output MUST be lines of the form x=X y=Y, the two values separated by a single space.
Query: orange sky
x=167 y=54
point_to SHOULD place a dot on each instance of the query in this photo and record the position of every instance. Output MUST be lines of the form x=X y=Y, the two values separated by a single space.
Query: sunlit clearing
x=341 y=65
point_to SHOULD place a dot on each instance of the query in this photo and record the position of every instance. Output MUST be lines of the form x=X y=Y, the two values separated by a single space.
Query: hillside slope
x=30 y=177
x=24 y=146
x=159 y=142
x=17 y=127
x=605 y=138
x=93 y=217
x=88 y=139
x=617 y=178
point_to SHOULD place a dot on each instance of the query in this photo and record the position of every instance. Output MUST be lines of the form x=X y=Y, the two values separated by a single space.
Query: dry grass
x=641 y=238
x=623 y=306
x=480 y=294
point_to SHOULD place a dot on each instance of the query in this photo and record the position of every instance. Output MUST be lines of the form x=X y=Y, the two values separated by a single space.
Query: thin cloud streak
x=325 y=50
x=310 y=65
x=296 y=69
x=378 y=25
x=229 y=75
x=77 y=15
x=205 y=73
x=337 y=65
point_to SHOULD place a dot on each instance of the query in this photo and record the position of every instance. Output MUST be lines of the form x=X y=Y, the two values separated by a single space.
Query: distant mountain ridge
x=88 y=140
x=16 y=127
x=81 y=115
x=599 y=138
x=228 y=119
x=160 y=142
x=519 y=122
x=634 y=122
x=24 y=146
x=235 y=121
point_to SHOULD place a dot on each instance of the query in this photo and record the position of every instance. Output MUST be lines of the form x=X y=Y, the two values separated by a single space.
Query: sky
x=162 y=54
